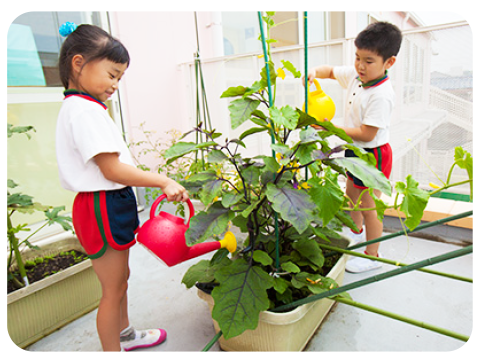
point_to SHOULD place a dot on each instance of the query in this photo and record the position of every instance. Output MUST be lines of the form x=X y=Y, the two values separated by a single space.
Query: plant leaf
x=241 y=110
x=366 y=172
x=262 y=258
x=240 y=297
x=328 y=198
x=234 y=91
x=294 y=206
x=291 y=68
x=309 y=249
x=286 y=116
x=414 y=202
x=205 y=224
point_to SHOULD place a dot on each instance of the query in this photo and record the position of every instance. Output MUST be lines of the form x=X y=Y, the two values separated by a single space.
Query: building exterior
x=159 y=87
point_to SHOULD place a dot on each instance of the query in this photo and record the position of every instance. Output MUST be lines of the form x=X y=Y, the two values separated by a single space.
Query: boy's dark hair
x=382 y=38
x=92 y=43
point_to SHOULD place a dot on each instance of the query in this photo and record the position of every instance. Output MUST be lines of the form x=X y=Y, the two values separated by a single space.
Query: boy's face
x=370 y=66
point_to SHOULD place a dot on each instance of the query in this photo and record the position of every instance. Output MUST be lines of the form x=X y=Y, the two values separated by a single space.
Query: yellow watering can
x=319 y=105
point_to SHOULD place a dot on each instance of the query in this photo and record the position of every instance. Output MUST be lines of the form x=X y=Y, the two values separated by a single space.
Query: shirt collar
x=376 y=82
x=72 y=92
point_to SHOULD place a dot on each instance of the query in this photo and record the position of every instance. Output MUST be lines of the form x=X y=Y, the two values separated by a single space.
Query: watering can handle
x=316 y=83
x=161 y=198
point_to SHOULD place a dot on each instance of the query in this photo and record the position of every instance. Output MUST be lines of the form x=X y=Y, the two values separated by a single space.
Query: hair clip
x=67 y=28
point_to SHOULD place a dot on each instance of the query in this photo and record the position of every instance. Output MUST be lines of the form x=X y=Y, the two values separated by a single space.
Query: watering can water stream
x=319 y=105
x=164 y=236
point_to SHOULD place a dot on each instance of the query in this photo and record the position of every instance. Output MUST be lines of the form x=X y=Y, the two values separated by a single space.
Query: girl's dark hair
x=92 y=43
x=383 y=38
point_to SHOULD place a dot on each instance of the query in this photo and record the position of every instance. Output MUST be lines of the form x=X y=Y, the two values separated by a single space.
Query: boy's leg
x=374 y=226
x=112 y=271
x=353 y=193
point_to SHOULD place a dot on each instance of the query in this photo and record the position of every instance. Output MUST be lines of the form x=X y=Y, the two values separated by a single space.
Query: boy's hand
x=311 y=75
x=175 y=192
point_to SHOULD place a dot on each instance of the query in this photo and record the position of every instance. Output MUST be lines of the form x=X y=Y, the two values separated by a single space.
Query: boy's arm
x=364 y=133
x=122 y=173
x=320 y=72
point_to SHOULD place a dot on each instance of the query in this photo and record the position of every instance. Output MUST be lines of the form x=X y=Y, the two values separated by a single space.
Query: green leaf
x=290 y=267
x=251 y=131
x=328 y=197
x=240 y=297
x=414 y=202
x=205 y=224
x=179 y=149
x=465 y=161
x=231 y=198
x=262 y=258
x=286 y=116
x=272 y=73
x=216 y=156
x=210 y=190
x=380 y=205
x=310 y=250
x=294 y=206
x=203 y=272
x=366 y=172
x=291 y=68
x=234 y=91
x=241 y=110
x=54 y=217
x=11 y=183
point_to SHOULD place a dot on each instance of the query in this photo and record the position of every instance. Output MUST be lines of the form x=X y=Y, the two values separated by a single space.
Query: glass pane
x=33 y=46
x=240 y=31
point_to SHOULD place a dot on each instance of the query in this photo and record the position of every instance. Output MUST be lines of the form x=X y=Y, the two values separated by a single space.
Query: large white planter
x=289 y=331
x=44 y=306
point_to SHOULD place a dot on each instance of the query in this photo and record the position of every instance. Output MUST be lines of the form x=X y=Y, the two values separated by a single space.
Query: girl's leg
x=112 y=269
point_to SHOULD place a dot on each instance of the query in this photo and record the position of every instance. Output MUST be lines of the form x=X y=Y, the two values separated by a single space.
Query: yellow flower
x=281 y=73
x=433 y=185
x=305 y=185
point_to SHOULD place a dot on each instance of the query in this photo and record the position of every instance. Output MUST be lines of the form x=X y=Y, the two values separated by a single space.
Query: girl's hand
x=175 y=192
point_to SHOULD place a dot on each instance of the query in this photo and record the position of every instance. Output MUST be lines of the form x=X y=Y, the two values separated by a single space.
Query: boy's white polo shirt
x=370 y=106
x=84 y=130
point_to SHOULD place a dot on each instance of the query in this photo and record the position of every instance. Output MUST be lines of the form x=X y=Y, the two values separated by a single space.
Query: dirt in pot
x=42 y=267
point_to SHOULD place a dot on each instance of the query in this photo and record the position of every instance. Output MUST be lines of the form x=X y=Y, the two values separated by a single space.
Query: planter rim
x=51 y=246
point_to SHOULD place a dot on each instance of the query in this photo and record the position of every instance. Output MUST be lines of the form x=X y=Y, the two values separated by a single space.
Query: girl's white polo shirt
x=84 y=130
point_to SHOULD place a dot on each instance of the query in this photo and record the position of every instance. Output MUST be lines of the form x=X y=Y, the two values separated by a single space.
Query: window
x=33 y=46
x=34 y=97
x=241 y=29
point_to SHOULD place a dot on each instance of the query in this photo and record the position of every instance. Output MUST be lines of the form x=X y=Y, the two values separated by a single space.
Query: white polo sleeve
x=93 y=134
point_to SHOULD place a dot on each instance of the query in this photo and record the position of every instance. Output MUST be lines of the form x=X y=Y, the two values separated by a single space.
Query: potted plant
x=287 y=205
x=35 y=309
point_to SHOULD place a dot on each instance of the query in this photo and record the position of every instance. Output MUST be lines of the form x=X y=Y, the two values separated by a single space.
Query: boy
x=367 y=113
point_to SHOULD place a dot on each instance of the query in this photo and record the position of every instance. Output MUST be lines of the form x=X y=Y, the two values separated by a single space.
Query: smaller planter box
x=289 y=331
x=45 y=306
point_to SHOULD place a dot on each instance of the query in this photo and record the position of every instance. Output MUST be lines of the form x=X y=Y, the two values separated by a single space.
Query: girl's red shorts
x=383 y=155
x=105 y=218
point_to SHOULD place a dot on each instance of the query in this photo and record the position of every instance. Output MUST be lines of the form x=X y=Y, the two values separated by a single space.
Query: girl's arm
x=122 y=173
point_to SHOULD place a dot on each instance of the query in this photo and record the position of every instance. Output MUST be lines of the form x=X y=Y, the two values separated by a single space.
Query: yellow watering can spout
x=319 y=105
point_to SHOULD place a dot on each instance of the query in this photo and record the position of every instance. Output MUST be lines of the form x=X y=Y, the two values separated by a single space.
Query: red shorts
x=105 y=218
x=383 y=155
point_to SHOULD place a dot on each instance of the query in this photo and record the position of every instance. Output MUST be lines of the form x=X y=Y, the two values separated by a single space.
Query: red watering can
x=164 y=236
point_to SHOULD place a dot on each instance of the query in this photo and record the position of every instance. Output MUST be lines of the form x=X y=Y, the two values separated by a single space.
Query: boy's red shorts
x=383 y=155
x=105 y=218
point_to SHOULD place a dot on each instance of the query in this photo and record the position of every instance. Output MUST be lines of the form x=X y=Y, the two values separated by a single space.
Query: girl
x=94 y=161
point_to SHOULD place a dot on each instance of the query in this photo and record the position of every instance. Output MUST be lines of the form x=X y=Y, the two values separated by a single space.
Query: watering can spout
x=229 y=242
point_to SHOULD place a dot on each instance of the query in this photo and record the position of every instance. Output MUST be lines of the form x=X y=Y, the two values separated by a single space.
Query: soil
x=50 y=265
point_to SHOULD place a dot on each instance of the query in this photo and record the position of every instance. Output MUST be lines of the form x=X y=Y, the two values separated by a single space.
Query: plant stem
x=15 y=246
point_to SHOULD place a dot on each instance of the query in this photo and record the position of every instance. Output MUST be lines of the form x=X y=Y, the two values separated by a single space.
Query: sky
x=438 y=17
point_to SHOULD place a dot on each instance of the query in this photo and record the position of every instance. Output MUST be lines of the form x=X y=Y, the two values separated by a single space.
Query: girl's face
x=99 y=78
